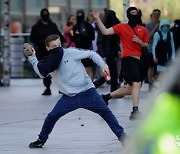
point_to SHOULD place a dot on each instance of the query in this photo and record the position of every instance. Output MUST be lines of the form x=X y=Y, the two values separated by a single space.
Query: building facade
x=28 y=11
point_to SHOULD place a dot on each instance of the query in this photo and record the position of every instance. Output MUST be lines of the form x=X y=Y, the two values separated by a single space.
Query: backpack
x=163 y=49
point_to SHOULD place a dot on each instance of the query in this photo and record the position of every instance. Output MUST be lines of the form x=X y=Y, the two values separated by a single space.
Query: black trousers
x=47 y=82
x=111 y=62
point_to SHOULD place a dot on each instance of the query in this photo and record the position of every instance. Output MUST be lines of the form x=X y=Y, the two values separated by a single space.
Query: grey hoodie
x=71 y=77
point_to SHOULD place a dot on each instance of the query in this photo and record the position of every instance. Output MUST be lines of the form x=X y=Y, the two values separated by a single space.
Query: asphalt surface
x=23 y=110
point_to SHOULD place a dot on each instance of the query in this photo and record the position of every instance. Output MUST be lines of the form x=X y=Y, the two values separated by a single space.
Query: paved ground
x=23 y=109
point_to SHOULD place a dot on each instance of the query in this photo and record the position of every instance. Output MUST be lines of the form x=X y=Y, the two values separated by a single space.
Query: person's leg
x=92 y=101
x=119 y=93
x=64 y=105
x=99 y=82
x=47 y=84
x=135 y=100
x=135 y=93
x=150 y=74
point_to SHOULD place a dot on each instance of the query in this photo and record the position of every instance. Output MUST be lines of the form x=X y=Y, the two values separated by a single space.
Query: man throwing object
x=67 y=71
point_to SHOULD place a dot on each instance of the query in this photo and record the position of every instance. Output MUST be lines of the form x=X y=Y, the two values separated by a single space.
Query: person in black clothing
x=83 y=37
x=176 y=33
x=144 y=57
x=43 y=28
x=109 y=46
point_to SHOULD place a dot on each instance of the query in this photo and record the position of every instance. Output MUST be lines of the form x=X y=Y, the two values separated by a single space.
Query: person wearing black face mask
x=43 y=28
x=132 y=14
x=83 y=36
x=45 y=16
x=133 y=37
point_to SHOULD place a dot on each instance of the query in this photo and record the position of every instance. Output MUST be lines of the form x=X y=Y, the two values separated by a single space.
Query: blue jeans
x=89 y=100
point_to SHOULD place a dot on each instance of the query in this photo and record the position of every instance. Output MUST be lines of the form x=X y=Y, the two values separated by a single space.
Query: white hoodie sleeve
x=79 y=54
x=33 y=60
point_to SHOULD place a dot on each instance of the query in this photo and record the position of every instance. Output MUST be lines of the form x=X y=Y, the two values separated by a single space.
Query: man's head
x=44 y=15
x=155 y=15
x=52 y=41
x=80 y=16
x=132 y=15
x=90 y=17
x=52 y=62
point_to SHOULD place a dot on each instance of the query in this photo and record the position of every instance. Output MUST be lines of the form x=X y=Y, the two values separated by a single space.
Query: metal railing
x=20 y=67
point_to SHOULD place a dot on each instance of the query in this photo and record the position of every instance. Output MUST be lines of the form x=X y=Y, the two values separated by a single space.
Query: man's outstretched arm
x=30 y=53
x=101 y=26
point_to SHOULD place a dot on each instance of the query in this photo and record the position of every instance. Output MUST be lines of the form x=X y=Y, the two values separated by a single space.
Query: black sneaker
x=123 y=139
x=105 y=98
x=36 y=144
x=47 y=92
x=134 y=115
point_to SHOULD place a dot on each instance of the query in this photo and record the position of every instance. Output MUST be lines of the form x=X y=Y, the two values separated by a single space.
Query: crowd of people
x=71 y=58
x=87 y=33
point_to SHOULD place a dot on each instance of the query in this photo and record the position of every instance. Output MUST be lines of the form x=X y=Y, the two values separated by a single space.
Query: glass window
x=33 y=7
x=16 y=7
x=79 y=4
x=57 y=2
x=98 y=4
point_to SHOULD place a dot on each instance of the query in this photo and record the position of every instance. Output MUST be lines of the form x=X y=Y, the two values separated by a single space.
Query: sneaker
x=134 y=115
x=123 y=139
x=47 y=92
x=36 y=144
x=105 y=98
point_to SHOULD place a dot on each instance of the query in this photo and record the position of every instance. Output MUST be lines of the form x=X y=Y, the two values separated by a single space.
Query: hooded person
x=45 y=16
x=80 y=16
x=39 y=32
x=110 y=47
x=132 y=15
x=163 y=46
x=176 y=33
x=83 y=31
x=83 y=36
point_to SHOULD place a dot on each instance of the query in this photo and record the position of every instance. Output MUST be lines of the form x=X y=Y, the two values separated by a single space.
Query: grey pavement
x=23 y=110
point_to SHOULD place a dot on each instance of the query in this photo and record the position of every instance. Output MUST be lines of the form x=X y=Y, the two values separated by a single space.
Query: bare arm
x=101 y=26
x=139 y=41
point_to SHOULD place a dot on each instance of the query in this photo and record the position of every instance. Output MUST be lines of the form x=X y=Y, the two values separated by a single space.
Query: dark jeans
x=89 y=100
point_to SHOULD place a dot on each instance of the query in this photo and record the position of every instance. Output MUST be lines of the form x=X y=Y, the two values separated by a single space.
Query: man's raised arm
x=101 y=26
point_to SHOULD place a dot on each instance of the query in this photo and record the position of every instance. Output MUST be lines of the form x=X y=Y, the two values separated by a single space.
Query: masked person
x=163 y=47
x=176 y=33
x=75 y=84
x=43 y=28
x=83 y=36
x=133 y=37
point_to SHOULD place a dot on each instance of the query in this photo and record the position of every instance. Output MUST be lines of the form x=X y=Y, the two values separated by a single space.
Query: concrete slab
x=23 y=110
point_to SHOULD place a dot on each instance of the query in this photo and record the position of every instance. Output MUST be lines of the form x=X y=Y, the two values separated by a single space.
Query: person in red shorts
x=133 y=38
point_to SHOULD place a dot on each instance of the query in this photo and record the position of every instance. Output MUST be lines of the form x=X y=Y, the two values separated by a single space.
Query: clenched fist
x=28 y=49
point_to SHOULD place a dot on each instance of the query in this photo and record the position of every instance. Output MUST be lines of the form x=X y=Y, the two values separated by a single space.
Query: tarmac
x=23 y=110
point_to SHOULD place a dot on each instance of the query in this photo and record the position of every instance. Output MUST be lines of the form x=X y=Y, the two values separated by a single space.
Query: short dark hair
x=50 y=38
x=157 y=11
